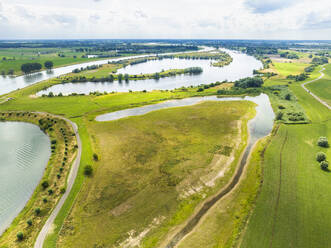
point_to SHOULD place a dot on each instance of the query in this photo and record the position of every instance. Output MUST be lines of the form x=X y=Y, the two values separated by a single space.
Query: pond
x=242 y=66
x=24 y=154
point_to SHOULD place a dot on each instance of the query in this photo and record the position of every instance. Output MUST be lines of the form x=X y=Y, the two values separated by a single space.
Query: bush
x=48 y=64
x=95 y=157
x=279 y=115
x=37 y=211
x=29 y=222
x=20 y=236
x=323 y=142
x=324 y=165
x=251 y=82
x=88 y=170
x=288 y=97
x=320 y=156
x=45 y=184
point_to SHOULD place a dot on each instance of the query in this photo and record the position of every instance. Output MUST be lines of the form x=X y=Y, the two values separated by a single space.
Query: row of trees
x=300 y=77
x=32 y=67
x=251 y=82
x=321 y=156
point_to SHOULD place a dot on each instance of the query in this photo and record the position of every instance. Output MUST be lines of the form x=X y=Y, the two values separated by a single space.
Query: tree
x=48 y=64
x=288 y=97
x=29 y=222
x=45 y=184
x=323 y=142
x=324 y=165
x=320 y=156
x=37 y=211
x=11 y=72
x=95 y=157
x=156 y=75
x=30 y=67
x=120 y=77
x=20 y=236
x=88 y=170
x=252 y=82
x=126 y=77
x=279 y=115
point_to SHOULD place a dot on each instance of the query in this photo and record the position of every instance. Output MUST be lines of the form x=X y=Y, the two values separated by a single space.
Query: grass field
x=283 y=70
x=224 y=223
x=14 y=58
x=150 y=159
x=83 y=109
x=322 y=88
x=148 y=168
x=293 y=207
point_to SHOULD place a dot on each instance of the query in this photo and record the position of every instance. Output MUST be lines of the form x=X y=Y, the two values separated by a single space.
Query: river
x=242 y=66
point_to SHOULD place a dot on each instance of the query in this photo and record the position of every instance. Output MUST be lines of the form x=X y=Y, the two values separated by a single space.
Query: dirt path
x=312 y=94
x=194 y=220
x=279 y=188
x=71 y=179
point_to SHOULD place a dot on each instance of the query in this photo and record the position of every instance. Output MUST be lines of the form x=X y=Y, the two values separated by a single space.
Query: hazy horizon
x=180 y=19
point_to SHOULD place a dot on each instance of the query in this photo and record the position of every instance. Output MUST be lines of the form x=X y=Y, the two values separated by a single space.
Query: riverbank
x=46 y=195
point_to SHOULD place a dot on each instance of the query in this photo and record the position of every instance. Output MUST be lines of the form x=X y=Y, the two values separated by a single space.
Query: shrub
x=48 y=64
x=63 y=190
x=20 y=236
x=45 y=200
x=88 y=170
x=324 y=165
x=323 y=142
x=50 y=192
x=320 y=156
x=37 y=211
x=251 y=82
x=279 y=115
x=29 y=222
x=95 y=157
x=45 y=184
x=288 y=97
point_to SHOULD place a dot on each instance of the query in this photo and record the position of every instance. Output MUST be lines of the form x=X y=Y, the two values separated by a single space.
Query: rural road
x=312 y=94
x=71 y=179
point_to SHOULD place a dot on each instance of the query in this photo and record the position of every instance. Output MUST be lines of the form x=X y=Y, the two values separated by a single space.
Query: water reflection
x=242 y=66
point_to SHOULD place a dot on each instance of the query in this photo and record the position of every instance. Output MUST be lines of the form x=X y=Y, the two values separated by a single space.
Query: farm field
x=292 y=208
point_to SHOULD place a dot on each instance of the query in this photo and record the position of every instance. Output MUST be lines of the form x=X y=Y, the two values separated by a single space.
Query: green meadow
x=292 y=209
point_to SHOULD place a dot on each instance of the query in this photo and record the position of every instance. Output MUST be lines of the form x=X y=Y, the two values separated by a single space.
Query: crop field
x=149 y=177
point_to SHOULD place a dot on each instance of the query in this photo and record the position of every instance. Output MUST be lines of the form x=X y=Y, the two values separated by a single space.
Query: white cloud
x=278 y=19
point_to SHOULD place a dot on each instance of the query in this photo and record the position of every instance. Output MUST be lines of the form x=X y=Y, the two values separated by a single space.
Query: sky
x=175 y=19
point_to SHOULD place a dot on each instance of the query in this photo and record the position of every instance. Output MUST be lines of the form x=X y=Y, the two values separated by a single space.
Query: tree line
x=33 y=67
